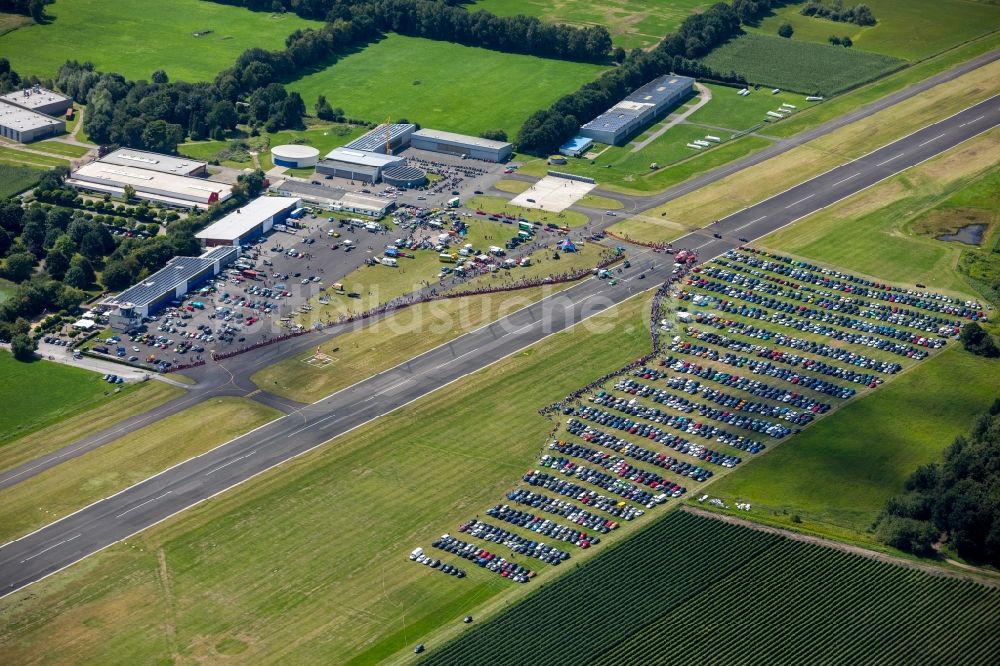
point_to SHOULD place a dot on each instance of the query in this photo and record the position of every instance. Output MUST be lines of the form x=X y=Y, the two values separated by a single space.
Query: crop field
x=35 y=395
x=443 y=85
x=719 y=593
x=632 y=23
x=117 y=36
x=276 y=572
x=908 y=30
x=805 y=67
x=16 y=178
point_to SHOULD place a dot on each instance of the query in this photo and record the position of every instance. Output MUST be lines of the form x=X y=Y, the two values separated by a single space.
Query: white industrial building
x=364 y=204
x=24 y=126
x=294 y=156
x=356 y=164
x=396 y=136
x=39 y=100
x=170 y=283
x=335 y=199
x=638 y=110
x=177 y=165
x=460 y=144
x=249 y=222
x=157 y=186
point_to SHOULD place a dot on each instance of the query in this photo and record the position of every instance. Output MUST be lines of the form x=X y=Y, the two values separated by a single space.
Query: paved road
x=101 y=524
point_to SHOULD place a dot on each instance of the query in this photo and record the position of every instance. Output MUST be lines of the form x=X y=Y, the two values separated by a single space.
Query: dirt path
x=847 y=548
x=706 y=97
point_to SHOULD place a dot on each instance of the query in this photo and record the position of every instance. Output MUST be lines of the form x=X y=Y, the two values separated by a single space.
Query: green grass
x=88 y=419
x=133 y=40
x=14 y=157
x=322 y=136
x=10 y=22
x=837 y=475
x=729 y=110
x=6 y=289
x=60 y=148
x=443 y=85
x=307 y=563
x=693 y=586
x=908 y=30
x=599 y=203
x=632 y=23
x=490 y=204
x=16 y=178
x=802 y=66
x=38 y=394
x=122 y=462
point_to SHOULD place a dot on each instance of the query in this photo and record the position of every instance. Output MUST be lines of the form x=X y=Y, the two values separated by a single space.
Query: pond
x=970 y=234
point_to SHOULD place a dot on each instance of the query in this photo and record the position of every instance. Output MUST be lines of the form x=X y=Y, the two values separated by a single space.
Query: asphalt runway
x=138 y=507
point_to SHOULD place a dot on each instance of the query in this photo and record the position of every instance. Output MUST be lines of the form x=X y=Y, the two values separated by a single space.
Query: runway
x=153 y=500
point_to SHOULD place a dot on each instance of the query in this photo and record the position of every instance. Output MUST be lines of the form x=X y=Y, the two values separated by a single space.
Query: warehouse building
x=39 y=100
x=356 y=164
x=397 y=135
x=460 y=144
x=249 y=222
x=24 y=126
x=576 y=146
x=170 y=283
x=364 y=204
x=639 y=110
x=179 y=166
x=166 y=188
x=337 y=200
x=294 y=156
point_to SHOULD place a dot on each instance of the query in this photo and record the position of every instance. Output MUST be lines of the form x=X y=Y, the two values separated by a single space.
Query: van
x=387 y=261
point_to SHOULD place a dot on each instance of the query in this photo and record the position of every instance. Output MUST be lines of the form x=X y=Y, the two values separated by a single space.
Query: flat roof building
x=172 y=282
x=364 y=204
x=350 y=202
x=576 y=146
x=180 y=166
x=249 y=222
x=356 y=164
x=375 y=140
x=638 y=110
x=24 y=126
x=460 y=144
x=165 y=188
x=39 y=100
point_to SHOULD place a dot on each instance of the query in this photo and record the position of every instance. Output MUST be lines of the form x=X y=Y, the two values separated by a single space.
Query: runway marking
x=890 y=159
x=975 y=120
x=145 y=503
x=50 y=548
x=921 y=145
x=462 y=356
x=844 y=180
x=801 y=200
x=216 y=469
x=750 y=222
x=385 y=390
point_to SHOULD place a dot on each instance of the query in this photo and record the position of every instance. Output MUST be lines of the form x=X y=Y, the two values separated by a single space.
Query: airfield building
x=294 y=156
x=39 y=100
x=170 y=283
x=639 y=110
x=375 y=141
x=158 y=186
x=179 y=166
x=24 y=126
x=356 y=164
x=248 y=223
x=335 y=199
x=461 y=144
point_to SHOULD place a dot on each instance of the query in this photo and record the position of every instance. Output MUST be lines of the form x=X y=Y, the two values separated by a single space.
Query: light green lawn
x=135 y=39
x=60 y=148
x=443 y=85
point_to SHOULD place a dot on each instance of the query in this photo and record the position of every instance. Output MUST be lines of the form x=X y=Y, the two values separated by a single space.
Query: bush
x=23 y=347
x=785 y=30
x=975 y=339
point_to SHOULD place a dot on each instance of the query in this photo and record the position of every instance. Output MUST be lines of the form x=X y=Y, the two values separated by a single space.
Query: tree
x=23 y=347
x=92 y=245
x=160 y=77
x=846 y=42
x=975 y=339
x=619 y=55
x=494 y=135
x=251 y=184
x=56 y=264
x=128 y=193
x=323 y=109
x=161 y=136
x=37 y=10
x=834 y=40
x=19 y=266
x=116 y=276
x=76 y=277
x=785 y=29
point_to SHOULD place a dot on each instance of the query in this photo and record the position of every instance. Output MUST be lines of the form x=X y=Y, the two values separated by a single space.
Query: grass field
x=88 y=420
x=60 y=148
x=322 y=136
x=117 y=37
x=321 y=542
x=908 y=30
x=569 y=218
x=632 y=23
x=802 y=66
x=6 y=289
x=16 y=178
x=443 y=85
x=718 y=593
x=35 y=395
x=15 y=157
x=599 y=203
x=10 y=22
x=118 y=464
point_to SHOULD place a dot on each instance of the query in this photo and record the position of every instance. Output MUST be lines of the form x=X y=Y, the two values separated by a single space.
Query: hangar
x=364 y=204
x=335 y=199
x=249 y=222
x=356 y=164
x=638 y=110
x=178 y=277
x=24 y=126
x=166 y=188
x=180 y=166
x=461 y=144
x=397 y=135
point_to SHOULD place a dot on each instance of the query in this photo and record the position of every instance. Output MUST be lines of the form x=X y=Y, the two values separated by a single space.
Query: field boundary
x=930 y=569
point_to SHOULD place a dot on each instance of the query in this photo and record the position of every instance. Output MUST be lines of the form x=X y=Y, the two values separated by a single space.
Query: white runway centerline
x=234 y=460
x=921 y=145
x=144 y=503
x=801 y=200
x=890 y=159
x=55 y=545
x=844 y=180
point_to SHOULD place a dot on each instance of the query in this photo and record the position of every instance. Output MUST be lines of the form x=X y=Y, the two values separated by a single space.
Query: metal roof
x=611 y=121
x=22 y=120
x=141 y=159
x=294 y=151
x=243 y=220
x=656 y=93
x=374 y=141
x=184 y=187
x=577 y=143
x=33 y=98
x=163 y=281
x=462 y=139
x=222 y=253
x=361 y=157
x=660 y=89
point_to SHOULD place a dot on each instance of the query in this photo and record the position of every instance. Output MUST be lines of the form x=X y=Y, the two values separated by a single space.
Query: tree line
x=956 y=502
x=33 y=8
x=858 y=14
